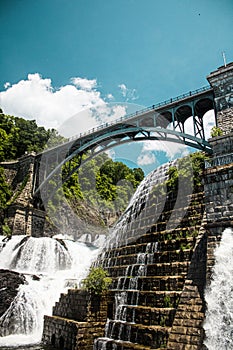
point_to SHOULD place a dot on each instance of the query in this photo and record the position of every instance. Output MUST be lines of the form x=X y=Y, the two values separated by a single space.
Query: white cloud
x=123 y=89
x=128 y=94
x=110 y=97
x=35 y=98
x=84 y=84
x=146 y=158
x=111 y=153
x=107 y=113
x=171 y=150
x=92 y=117
x=208 y=122
x=6 y=85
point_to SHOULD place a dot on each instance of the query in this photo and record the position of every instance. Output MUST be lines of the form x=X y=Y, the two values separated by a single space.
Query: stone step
x=153 y=336
x=111 y=344
x=158 y=269
x=72 y=305
x=155 y=235
x=155 y=299
x=147 y=221
x=146 y=315
x=148 y=258
x=161 y=246
x=146 y=283
x=158 y=233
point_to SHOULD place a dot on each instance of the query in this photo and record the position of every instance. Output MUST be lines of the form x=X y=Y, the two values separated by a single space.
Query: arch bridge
x=165 y=121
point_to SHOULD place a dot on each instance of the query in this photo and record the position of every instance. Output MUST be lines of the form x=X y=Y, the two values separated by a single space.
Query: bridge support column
x=25 y=220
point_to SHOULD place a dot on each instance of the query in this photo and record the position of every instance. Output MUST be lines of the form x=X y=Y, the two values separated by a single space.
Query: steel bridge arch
x=98 y=144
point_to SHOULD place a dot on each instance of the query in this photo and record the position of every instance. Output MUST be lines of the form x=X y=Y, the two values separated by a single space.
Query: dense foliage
x=190 y=167
x=97 y=281
x=99 y=182
x=18 y=136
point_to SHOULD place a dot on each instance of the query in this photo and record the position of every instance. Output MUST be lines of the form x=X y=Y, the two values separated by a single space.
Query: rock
x=9 y=284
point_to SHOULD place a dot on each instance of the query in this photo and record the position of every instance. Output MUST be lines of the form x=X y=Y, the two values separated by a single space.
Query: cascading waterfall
x=50 y=266
x=138 y=208
x=219 y=317
x=127 y=295
x=148 y=202
x=130 y=227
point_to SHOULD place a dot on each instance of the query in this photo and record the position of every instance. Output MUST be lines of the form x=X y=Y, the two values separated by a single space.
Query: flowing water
x=219 y=317
x=127 y=295
x=143 y=211
x=50 y=267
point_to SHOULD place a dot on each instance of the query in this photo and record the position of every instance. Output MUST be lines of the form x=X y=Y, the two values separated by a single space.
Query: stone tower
x=221 y=81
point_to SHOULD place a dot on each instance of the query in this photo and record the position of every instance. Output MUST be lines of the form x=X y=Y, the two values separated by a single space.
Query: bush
x=6 y=229
x=216 y=131
x=97 y=281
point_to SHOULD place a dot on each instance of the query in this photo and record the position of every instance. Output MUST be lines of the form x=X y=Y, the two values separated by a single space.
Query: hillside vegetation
x=100 y=183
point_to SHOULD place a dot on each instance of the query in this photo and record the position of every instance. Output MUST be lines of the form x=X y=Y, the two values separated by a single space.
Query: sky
x=61 y=58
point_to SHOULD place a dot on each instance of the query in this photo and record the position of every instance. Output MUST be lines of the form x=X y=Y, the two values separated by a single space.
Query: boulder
x=9 y=284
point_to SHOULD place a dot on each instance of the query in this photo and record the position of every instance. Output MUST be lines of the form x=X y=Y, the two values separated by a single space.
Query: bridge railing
x=220 y=160
x=181 y=97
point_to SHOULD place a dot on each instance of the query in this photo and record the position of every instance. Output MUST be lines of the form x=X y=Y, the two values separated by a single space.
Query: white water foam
x=219 y=317
x=59 y=265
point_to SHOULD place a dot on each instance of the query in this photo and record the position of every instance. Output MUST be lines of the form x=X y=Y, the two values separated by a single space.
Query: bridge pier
x=22 y=217
x=26 y=220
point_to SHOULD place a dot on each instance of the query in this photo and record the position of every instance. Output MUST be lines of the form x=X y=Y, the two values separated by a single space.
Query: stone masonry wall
x=21 y=216
x=225 y=120
x=218 y=186
x=222 y=145
x=19 y=176
x=187 y=329
x=77 y=320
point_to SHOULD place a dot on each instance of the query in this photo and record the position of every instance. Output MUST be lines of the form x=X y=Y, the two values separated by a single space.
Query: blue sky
x=134 y=51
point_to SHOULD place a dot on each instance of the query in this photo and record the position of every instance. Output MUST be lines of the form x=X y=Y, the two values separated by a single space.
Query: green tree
x=18 y=136
x=5 y=191
x=54 y=138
